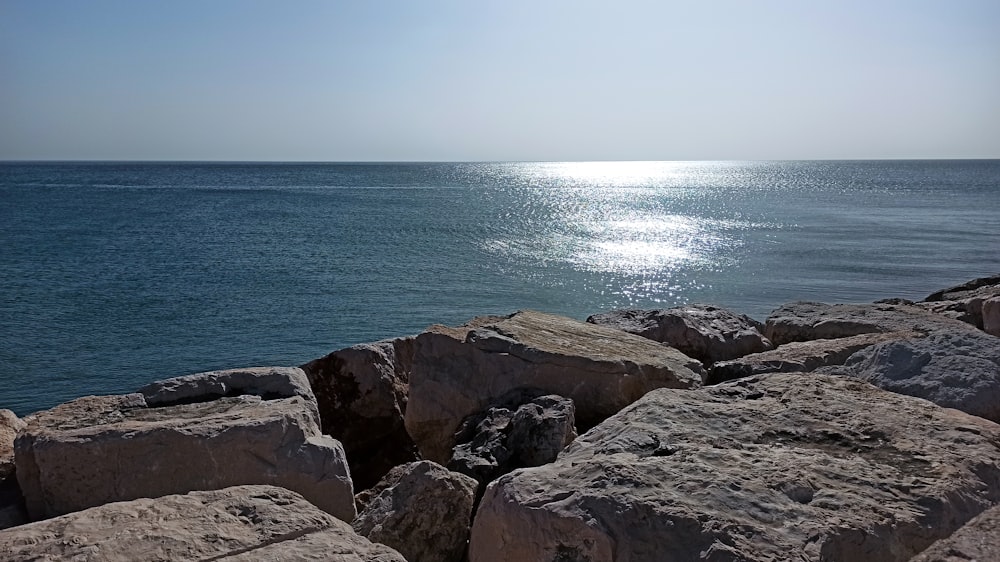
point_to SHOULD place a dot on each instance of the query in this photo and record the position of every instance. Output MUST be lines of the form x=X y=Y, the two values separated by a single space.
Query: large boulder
x=991 y=316
x=807 y=321
x=978 y=540
x=775 y=467
x=799 y=356
x=12 y=508
x=422 y=510
x=238 y=523
x=965 y=302
x=461 y=371
x=954 y=369
x=101 y=449
x=944 y=360
x=707 y=333
x=361 y=392
x=519 y=432
x=10 y=424
x=265 y=382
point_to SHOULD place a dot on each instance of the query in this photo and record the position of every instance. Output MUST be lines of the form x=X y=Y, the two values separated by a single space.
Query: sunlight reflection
x=615 y=173
x=642 y=225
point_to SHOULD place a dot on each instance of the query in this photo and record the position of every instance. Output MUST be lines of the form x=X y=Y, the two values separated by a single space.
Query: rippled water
x=117 y=274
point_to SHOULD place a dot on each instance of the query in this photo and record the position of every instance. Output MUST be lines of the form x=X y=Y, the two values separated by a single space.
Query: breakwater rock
x=827 y=432
x=775 y=467
x=201 y=432
x=241 y=523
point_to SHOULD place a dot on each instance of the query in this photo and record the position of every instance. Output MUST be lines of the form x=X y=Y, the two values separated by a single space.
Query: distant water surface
x=116 y=274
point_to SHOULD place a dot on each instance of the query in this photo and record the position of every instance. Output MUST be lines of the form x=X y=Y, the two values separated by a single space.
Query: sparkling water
x=116 y=274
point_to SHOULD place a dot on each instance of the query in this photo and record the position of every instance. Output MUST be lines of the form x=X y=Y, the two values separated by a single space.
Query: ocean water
x=117 y=274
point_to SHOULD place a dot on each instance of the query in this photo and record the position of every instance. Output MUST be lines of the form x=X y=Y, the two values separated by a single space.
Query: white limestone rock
x=238 y=523
x=422 y=510
x=461 y=371
x=707 y=333
x=95 y=450
x=773 y=467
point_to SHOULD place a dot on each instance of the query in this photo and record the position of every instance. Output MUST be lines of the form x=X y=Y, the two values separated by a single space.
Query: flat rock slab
x=807 y=321
x=266 y=382
x=980 y=287
x=775 y=467
x=955 y=369
x=237 y=523
x=707 y=333
x=977 y=541
x=101 y=449
x=799 y=356
x=462 y=371
x=965 y=302
x=944 y=360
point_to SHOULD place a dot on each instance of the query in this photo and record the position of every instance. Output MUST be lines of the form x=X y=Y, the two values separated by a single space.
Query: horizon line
x=221 y=161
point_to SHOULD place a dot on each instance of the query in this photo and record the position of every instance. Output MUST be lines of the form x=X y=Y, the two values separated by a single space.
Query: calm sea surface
x=116 y=274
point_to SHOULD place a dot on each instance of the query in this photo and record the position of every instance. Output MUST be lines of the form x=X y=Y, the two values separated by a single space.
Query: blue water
x=115 y=274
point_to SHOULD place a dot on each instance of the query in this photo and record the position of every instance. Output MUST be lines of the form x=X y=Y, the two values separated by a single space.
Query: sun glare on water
x=623 y=218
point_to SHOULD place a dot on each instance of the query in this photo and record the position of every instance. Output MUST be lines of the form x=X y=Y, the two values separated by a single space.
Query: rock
x=948 y=362
x=361 y=392
x=422 y=510
x=266 y=382
x=775 y=467
x=707 y=333
x=238 y=523
x=519 y=432
x=96 y=450
x=10 y=424
x=955 y=369
x=12 y=509
x=807 y=321
x=965 y=302
x=461 y=371
x=991 y=316
x=799 y=356
x=965 y=290
x=976 y=540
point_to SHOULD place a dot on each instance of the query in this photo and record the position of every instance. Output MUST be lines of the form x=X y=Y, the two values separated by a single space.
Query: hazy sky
x=498 y=80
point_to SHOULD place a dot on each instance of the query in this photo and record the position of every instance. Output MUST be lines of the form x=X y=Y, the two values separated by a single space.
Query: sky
x=461 y=80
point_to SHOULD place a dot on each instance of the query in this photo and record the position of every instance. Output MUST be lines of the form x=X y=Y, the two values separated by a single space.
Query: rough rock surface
x=798 y=356
x=775 y=467
x=807 y=321
x=965 y=302
x=461 y=371
x=266 y=382
x=361 y=392
x=954 y=369
x=10 y=424
x=238 y=523
x=422 y=510
x=707 y=333
x=977 y=541
x=947 y=362
x=991 y=316
x=519 y=432
x=96 y=450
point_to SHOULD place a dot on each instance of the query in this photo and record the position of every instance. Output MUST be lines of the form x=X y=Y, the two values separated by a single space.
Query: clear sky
x=499 y=80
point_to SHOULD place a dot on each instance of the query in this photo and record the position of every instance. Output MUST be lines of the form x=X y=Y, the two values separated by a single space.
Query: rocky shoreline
x=828 y=432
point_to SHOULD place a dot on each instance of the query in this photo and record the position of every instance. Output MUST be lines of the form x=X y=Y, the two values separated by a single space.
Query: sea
x=115 y=274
